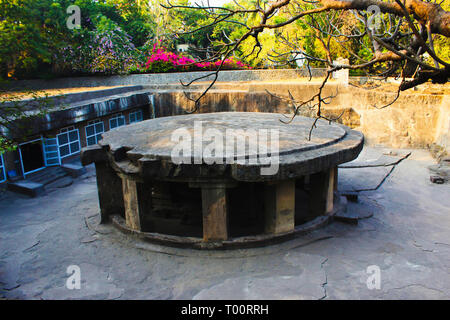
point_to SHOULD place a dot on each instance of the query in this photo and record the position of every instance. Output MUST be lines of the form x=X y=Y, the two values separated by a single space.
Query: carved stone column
x=137 y=202
x=280 y=207
x=215 y=213
x=109 y=186
x=322 y=192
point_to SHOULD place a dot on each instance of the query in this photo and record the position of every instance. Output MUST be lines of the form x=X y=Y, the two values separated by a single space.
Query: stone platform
x=219 y=179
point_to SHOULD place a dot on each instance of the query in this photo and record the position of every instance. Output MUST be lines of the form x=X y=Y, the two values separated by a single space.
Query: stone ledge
x=235 y=243
x=74 y=170
x=28 y=188
x=165 y=78
x=242 y=242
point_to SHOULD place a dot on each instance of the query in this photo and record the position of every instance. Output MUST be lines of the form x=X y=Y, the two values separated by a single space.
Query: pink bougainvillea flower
x=180 y=62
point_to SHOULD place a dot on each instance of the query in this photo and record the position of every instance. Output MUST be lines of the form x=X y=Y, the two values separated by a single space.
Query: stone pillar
x=215 y=214
x=322 y=191
x=137 y=201
x=109 y=186
x=330 y=190
x=280 y=207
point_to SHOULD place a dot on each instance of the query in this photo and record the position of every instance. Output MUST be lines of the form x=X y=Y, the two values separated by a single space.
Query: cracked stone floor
x=405 y=233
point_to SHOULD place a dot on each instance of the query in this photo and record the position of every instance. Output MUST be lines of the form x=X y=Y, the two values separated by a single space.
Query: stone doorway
x=32 y=156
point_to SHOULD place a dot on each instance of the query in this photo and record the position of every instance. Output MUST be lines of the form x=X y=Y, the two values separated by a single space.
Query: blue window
x=94 y=131
x=2 y=169
x=136 y=116
x=116 y=121
x=69 y=143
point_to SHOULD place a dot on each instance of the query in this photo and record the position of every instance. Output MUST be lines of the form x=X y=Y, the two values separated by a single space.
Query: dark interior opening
x=175 y=209
x=246 y=209
x=32 y=156
x=302 y=201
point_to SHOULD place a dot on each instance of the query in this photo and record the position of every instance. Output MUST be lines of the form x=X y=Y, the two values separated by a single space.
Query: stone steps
x=49 y=178
x=48 y=175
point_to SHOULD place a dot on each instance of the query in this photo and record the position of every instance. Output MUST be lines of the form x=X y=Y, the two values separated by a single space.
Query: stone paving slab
x=407 y=237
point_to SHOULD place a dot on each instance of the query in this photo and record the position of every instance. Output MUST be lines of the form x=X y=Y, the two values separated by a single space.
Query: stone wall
x=412 y=121
x=164 y=78
x=415 y=120
x=442 y=136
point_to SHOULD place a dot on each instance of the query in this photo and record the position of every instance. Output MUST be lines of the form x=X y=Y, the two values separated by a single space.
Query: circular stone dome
x=154 y=138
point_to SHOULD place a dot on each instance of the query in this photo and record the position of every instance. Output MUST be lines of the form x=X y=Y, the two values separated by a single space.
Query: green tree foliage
x=28 y=31
x=33 y=33
x=310 y=35
x=36 y=43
